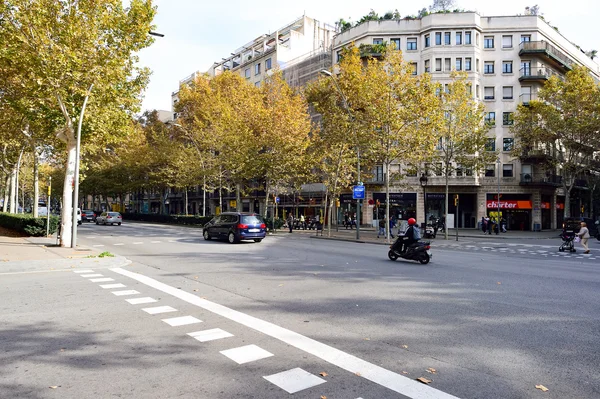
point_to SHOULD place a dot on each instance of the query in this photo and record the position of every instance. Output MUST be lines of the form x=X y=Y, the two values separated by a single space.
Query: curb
x=61 y=265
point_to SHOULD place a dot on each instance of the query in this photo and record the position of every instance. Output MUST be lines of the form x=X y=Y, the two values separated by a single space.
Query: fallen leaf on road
x=424 y=380
x=323 y=374
x=62 y=349
x=367 y=339
x=405 y=346
x=405 y=372
x=281 y=285
x=53 y=386
x=499 y=283
x=357 y=373
x=196 y=277
x=195 y=290
x=542 y=388
x=323 y=397
x=431 y=370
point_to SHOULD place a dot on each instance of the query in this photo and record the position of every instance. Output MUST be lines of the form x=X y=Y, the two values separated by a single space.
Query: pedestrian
x=302 y=222
x=346 y=220
x=483 y=224
x=490 y=226
x=392 y=224
x=503 y=225
x=290 y=221
x=381 y=228
x=584 y=234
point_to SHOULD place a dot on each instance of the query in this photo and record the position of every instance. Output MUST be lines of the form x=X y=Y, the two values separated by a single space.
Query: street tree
x=66 y=48
x=561 y=128
x=462 y=135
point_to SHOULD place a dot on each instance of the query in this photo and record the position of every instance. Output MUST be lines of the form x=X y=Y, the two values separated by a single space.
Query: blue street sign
x=277 y=199
x=358 y=192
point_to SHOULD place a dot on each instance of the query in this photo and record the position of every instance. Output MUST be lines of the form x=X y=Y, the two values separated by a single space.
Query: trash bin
x=537 y=227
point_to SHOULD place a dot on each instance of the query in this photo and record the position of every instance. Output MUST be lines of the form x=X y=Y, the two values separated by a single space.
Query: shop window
x=507 y=170
x=490 y=170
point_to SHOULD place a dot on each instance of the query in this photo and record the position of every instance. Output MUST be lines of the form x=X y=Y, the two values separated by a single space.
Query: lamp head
x=326 y=73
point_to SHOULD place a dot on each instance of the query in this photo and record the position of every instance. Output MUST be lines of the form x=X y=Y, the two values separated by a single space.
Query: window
x=488 y=93
x=507 y=92
x=338 y=57
x=477 y=91
x=427 y=41
x=507 y=67
x=459 y=64
x=447 y=38
x=427 y=67
x=268 y=64
x=257 y=84
x=470 y=89
x=378 y=41
x=488 y=67
x=507 y=170
x=508 y=144
x=525 y=38
x=490 y=145
x=447 y=64
x=446 y=90
x=507 y=118
x=411 y=43
x=458 y=38
x=438 y=38
x=438 y=64
x=257 y=69
x=468 y=64
x=414 y=68
x=477 y=64
x=488 y=42
x=525 y=68
x=247 y=73
x=490 y=170
x=468 y=37
x=459 y=171
x=507 y=41
x=396 y=43
x=490 y=118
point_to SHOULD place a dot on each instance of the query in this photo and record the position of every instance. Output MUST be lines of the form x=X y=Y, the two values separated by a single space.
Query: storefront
x=435 y=206
x=515 y=208
x=560 y=211
x=402 y=206
x=347 y=206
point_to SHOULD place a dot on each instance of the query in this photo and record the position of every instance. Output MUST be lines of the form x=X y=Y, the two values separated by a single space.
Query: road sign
x=277 y=199
x=358 y=192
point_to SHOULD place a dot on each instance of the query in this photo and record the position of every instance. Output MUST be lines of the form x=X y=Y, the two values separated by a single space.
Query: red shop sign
x=509 y=204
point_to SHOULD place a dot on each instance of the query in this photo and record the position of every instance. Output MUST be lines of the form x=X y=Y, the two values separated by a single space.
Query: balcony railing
x=543 y=47
x=540 y=179
x=537 y=73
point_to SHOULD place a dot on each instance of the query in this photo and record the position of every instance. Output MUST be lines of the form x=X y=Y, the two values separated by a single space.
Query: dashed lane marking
x=98 y=245
x=155 y=242
x=379 y=375
x=137 y=301
x=210 y=335
x=246 y=354
x=126 y=292
x=159 y=309
x=83 y=271
x=137 y=243
x=111 y=286
x=294 y=380
x=119 y=243
x=91 y=275
x=182 y=321
x=101 y=280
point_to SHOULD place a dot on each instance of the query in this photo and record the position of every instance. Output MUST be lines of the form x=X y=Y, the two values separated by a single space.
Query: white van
x=42 y=209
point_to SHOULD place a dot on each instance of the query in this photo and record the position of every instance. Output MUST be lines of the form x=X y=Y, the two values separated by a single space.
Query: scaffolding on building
x=301 y=70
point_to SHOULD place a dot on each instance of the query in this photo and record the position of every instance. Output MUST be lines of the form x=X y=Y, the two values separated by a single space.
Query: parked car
x=109 y=217
x=96 y=214
x=574 y=224
x=42 y=209
x=236 y=226
x=87 y=215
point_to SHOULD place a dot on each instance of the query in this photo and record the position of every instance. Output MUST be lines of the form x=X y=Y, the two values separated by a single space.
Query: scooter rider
x=411 y=235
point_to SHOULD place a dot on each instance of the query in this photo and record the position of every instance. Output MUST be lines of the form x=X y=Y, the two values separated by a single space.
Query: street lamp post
x=423 y=181
x=345 y=105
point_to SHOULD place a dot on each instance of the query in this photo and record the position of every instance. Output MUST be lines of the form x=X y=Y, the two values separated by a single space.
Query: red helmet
x=412 y=222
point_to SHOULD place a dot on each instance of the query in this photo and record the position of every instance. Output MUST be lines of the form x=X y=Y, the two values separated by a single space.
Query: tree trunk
x=17 y=170
x=186 y=201
x=266 y=198
x=13 y=182
x=6 y=193
x=568 y=201
x=387 y=203
x=36 y=184
x=238 y=198
x=66 y=211
x=446 y=209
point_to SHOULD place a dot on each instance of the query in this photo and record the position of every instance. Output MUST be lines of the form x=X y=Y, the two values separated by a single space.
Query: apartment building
x=508 y=59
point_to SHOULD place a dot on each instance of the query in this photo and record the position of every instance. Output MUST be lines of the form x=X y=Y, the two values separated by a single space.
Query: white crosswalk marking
x=210 y=335
x=111 y=286
x=182 y=321
x=137 y=301
x=294 y=380
x=246 y=354
x=159 y=309
x=101 y=280
x=91 y=275
x=83 y=271
x=126 y=292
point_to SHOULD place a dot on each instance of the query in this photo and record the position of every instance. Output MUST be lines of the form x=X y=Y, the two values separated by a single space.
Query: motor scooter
x=430 y=231
x=418 y=251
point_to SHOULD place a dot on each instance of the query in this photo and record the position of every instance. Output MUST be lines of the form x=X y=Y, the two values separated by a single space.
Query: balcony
x=372 y=50
x=531 y=74
x=540 y=179
x=525 y=98
x=548 y=51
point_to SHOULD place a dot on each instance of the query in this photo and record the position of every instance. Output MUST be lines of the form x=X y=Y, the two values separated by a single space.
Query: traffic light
x=455 y=199
x=337 y=203
x=378 y=203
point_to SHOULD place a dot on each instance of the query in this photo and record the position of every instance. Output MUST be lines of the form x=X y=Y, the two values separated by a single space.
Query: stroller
x=568 y=238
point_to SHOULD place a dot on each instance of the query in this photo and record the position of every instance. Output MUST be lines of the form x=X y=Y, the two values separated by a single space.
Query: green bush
x=169 y=219
x=269 y=223
x=35 y=227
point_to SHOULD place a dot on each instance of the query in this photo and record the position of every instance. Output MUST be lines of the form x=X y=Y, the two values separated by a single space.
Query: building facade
x=507 y=59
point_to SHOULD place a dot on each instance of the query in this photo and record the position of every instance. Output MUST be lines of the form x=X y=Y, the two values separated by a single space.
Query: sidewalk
x=38 y=254
x=369 y=235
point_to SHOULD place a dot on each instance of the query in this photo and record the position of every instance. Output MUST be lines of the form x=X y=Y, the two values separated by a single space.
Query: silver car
x=109 y=217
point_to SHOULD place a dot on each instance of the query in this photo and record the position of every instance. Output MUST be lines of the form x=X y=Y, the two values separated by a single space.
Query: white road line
x=126 y=292
x=246 y=354
x=159 y=309
x=111 y=286
x=379 y=375
x=181 y=321
x=98 y=245
x=137 y=301
x=294 y=380
x=172 y=240
x=155 y=242
x=210 y=335
x=119 y=244
x=101 y=280
x=83 y=271
x=137 y=243
x=91 y=275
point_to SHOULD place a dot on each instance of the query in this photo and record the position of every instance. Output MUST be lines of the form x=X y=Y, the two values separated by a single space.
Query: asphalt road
x=493 y=318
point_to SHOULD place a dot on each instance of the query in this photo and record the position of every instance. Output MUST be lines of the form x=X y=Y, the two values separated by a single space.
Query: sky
x=199 y=32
